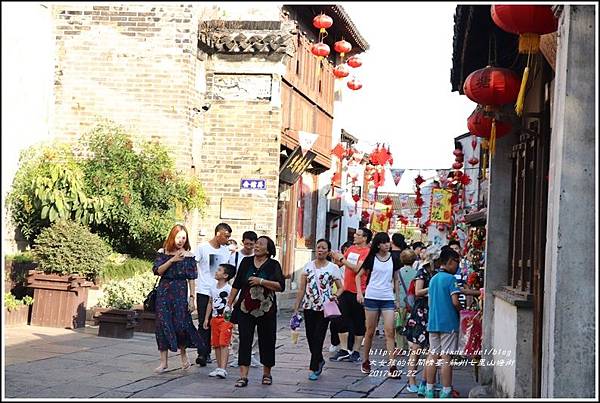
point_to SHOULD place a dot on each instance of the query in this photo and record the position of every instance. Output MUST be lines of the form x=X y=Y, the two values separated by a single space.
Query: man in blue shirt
x=443 y=325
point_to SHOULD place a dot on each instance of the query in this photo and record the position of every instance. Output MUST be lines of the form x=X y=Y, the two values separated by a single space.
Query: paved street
x=59 y=363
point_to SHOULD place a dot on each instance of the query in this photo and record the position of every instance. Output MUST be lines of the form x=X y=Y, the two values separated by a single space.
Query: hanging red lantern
x=388 y=201
x=354 y=84
x=354 y=62
x=528 y=21
x=419 y=201
x=457 y=152
x=480 y=125
x=457 y=165
x=460 y=158
x=320 y=49
x=419 y=180
x=341 y=71
x=338 y=151
x=389 y=213
x=342 y=47
x=465 y=180
x=322 y=21
x=356 y=198
x=418 y=214
x=492 y=86
x=473 y=161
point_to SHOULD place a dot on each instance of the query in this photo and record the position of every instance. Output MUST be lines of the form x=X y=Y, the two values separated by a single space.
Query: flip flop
x=241 y=383
x=267 y=380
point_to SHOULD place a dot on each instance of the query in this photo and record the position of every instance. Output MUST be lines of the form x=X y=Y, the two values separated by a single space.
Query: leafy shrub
x=22 y=257
x=142 y=187
x=125 y=268
x=124 y=294
x=68 y=248
x=11 y=303
x=48 y=186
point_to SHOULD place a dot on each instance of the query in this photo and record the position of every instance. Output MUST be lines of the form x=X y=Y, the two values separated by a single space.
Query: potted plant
x=16 y=311
x=68 y=257
x=115 y=315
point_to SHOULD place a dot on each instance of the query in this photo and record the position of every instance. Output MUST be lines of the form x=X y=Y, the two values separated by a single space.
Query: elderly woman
x=257 y=280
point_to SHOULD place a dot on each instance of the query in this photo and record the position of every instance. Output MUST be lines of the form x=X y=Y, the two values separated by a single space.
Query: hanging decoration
x=354 y=84
x=320 y=49
x=354 y=62
x=419 y=200
x=482 y=125
x=339 y=151
x=341 y=71
x=529 y=22
x=342 y=47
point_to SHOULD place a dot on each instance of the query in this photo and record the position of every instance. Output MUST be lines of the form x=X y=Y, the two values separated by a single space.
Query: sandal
x=267 y=380
x=160 y=369
x=241 y=383
x=185 y=365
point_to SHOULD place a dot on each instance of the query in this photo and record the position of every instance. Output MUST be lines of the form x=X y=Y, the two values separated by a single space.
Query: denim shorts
x=379 y=305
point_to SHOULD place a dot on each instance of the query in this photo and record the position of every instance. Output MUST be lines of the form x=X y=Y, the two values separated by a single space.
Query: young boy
x=443 y=325
x=220 y=328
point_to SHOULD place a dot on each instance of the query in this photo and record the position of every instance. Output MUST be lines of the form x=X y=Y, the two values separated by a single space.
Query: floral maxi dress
x=415 y=328
x=174 y=326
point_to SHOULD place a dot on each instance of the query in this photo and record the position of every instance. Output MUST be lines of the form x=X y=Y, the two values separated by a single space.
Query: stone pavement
x=42 y=362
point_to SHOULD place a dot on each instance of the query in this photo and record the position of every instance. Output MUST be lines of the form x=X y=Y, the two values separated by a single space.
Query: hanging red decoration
x=390 y=158
x=441 y=227
x=460 y=158
x=528 y=21
x=473 y=161
x=354 y=84
x=336 y=177
x=457 y=165
x=388 y=201
x=492 y=86
x=419 y=201
x=341 y=71
x=338 y=151
x=320 y=49
x=474 y=143
x=480 y=125
x=365 y=216
x=389 y=213
x=457 y=152
x=354 y=62
x=322 y=21
x=454 y=198
x=465 y=180
x=342 y=47
x=356 y=198
x=419 y=180
x=418 y=214
x=374 y=156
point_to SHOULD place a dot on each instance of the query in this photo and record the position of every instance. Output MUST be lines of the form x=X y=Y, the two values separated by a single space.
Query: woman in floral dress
x=316 y=287
x=257 y=280
x=175 y=296
x=415 y=328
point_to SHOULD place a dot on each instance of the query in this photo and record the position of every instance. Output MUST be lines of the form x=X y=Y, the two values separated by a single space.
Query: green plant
x=48 y=186
x=124 y=294
x=21 y=257
x=142 y=187
x=68 y=247
x=11 y=303
x=119 y=270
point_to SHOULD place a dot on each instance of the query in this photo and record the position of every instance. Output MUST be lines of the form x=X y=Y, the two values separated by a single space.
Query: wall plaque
x=236 y=208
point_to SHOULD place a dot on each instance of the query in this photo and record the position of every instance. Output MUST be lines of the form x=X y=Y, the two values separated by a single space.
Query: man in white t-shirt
x=208 y=258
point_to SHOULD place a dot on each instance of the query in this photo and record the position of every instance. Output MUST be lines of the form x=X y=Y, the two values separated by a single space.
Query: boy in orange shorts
x=220 y=337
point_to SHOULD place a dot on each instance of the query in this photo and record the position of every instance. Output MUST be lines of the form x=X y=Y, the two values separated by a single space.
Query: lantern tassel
x=493 y=137
x=521 y=97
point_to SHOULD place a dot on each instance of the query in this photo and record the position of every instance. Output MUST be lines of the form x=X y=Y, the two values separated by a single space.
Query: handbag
x=150 y=301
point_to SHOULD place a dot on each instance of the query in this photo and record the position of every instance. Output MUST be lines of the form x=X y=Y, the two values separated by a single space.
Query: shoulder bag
x=150 y=301
x=330 y=307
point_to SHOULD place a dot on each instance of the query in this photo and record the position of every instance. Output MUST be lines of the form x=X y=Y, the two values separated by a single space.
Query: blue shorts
x=379 y=305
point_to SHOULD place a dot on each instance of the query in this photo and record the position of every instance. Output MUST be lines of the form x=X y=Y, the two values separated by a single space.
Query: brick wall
x=134 y=64
x=241 y=141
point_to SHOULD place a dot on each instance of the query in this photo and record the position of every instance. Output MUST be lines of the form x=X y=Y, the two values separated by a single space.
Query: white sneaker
x=254 y=363
x=222 y=373
x=334 y=349
x=215 y=372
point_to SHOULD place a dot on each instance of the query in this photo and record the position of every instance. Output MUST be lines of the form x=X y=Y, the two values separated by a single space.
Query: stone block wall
x=134 y=64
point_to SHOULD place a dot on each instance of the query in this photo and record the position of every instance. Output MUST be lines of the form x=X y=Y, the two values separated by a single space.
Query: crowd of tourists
x=413 y=289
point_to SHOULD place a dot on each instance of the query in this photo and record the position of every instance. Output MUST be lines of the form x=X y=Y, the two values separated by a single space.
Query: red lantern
x=418 y=214
x=322 y=21
x=492 y=86
x=481 y=125
x=354 y=62
x=365 y=216
x=460 y=158
x=354 y=84
x=341 y=71
x=473 y=161
x=356 y=198
x=388 y=201
x=465 y=180
x=419 y=180
x=342 y=47
x=528 y=21
x=320 y=49
x=457 y=152
x=338 y=151
x=457 y=165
